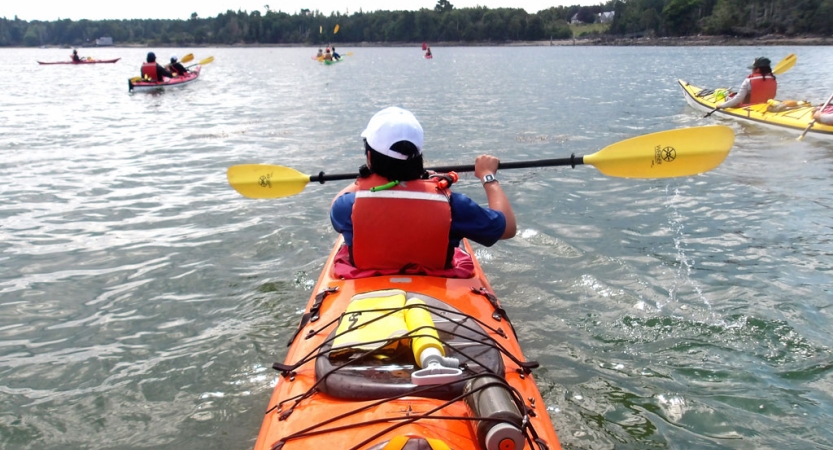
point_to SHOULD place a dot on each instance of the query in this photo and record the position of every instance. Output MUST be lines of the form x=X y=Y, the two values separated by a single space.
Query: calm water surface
x=142 y=300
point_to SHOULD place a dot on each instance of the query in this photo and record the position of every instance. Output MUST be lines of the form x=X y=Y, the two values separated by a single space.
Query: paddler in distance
x=397 y=218
x=759 y=87
x=176 y=67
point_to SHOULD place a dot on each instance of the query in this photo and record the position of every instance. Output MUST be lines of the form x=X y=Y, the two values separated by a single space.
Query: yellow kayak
x=782 y=115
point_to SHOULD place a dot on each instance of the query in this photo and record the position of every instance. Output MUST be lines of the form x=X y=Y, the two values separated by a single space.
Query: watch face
x=488 y=178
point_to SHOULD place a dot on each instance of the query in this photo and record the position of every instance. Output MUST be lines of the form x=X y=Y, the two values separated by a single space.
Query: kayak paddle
x=813 y=122
x=784 y=65
x=187 y=58
x=203 y=62
x=666 y=154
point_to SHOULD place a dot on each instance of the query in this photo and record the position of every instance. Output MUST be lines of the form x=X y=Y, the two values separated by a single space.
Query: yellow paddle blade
x=336 y=29
x=135 y=79
x=674 y=153
x=785 y=64
x=205 y=61
x=187 y=58
x=348 y=54
x=266 y=181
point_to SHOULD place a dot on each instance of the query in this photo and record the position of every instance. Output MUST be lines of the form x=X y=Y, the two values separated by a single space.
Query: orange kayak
x=400 y=362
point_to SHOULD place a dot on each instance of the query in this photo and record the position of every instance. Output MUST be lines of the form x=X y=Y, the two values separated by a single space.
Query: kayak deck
x=368 y=399
x=793 y=119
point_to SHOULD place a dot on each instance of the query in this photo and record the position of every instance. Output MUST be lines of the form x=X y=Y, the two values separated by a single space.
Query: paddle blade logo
x=266 y=180
x=667 y=154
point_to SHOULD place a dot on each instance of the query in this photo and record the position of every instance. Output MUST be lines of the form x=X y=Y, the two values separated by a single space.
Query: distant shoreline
x=601 y=41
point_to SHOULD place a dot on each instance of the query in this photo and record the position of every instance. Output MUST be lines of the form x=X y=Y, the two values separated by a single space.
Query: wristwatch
x=488 y=178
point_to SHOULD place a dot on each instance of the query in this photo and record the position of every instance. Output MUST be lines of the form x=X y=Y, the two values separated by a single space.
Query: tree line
x=443 y=23
x=742 y=18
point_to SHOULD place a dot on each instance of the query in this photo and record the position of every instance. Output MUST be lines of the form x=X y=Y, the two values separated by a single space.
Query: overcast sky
x=119 y=9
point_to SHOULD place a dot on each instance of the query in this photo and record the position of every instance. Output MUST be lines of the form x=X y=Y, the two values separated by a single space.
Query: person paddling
x=428 y=53
x=327 y=55
x=824 y=115
x=398 y=218
x=151 y=70
x=336 y=56
x=759 y=87
x=176 y=67
x=75 y=57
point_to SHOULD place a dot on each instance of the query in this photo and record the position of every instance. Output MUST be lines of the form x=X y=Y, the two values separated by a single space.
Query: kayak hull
x=80 y=63
x=792 y=120
x=302 y=414
x=144 y=86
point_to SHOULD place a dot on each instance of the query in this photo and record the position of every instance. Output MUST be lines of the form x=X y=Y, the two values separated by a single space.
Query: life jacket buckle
x=445 y=180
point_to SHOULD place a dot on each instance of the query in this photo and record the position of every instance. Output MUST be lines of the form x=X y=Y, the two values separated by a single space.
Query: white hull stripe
x=407 y=195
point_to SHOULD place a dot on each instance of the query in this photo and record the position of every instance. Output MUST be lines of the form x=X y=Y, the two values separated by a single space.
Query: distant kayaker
x=398 y=218
x=336 y=56
x=320 y=54
x=428 y=53
x=151 y=70
x=758 y=87
x=176 y=67
x=327 y=55
x=75 y=57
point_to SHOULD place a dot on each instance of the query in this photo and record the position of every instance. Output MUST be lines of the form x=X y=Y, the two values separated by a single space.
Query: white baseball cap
x=390 y=126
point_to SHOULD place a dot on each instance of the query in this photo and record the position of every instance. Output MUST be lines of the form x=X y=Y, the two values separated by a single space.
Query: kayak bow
x=352 y=377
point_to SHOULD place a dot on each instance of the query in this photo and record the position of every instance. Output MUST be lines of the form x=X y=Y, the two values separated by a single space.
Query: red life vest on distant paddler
x=763 y=89
x=149 y=71
x=402 y=226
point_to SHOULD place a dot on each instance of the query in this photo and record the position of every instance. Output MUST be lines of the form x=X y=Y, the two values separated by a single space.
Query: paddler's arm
x=350 y=188
x=737 y=100
x=485 y=165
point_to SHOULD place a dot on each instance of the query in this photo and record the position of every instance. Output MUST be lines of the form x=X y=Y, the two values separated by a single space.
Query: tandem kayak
x=138 y=86
x=782 y=115
x=351 y=379
x=85 y=61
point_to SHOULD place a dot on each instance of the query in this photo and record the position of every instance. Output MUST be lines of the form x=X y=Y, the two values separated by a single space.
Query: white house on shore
x=602 y=17
x=104 y=41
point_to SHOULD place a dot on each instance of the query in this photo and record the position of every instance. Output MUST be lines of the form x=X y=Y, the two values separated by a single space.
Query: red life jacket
x=149 y=70
x=763 y=89
x=401 y=226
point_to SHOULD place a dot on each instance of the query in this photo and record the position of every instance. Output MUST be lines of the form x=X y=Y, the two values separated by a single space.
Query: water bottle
x=495 y=402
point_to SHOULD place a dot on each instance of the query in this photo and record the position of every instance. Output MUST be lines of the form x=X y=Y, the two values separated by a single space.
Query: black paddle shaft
x=572 y=161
